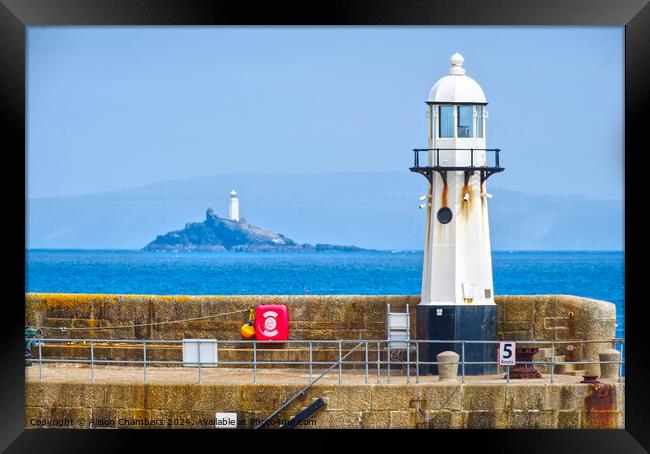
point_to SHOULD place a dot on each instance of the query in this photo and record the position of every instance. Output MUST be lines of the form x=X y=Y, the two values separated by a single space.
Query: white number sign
x=507 y=353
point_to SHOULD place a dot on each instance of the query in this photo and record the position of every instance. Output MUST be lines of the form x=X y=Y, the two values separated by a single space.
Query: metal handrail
x=306 y=388
x=337 y=347
x=436 y=156
x=98 y=341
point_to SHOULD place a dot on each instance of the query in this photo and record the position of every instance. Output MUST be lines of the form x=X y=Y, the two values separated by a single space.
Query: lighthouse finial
x=456 y=61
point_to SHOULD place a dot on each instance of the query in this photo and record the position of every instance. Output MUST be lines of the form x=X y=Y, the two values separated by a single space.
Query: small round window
x=444 y=215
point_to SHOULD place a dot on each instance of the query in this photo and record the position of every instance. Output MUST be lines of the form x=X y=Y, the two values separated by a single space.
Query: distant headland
x=220 y=234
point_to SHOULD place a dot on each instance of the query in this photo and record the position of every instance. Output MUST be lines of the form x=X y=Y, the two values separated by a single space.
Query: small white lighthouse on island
x=233 y=209
x=457 y=299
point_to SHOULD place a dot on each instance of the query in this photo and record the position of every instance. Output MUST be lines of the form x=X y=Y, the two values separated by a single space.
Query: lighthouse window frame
x=478 y=114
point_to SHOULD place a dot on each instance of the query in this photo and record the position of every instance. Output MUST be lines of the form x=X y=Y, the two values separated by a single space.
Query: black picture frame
x=16 y=15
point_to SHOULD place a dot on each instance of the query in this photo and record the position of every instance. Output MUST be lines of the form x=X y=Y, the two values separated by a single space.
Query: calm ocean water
x=591 y=274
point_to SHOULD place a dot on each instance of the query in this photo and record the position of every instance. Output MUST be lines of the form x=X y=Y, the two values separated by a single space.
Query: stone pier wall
x=542 y=317
x=454 y=405
x=520 y=317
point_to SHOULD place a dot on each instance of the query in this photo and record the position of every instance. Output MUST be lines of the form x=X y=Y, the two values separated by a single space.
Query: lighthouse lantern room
x=457 y=298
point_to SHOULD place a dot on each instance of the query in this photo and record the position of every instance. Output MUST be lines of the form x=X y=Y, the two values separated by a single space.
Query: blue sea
x=591 y=274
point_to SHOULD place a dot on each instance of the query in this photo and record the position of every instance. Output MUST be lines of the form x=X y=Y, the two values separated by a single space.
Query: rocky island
x=220 y=234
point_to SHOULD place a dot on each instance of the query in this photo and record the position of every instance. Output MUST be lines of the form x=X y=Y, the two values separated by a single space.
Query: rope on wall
x=166 y=322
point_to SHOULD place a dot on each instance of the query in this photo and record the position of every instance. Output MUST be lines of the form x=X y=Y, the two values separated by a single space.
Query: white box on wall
x=204 y=350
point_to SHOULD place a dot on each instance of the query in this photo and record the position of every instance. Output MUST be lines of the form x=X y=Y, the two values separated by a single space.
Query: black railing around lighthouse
x=488 y=165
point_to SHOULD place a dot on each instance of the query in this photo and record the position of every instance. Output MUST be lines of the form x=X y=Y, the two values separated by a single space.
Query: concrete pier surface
x=62 y=373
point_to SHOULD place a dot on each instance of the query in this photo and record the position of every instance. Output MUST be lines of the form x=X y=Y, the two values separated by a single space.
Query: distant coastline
x=317 y=209
x=394 y=251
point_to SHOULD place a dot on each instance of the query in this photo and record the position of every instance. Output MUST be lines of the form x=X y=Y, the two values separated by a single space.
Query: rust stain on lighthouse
x=466 y=205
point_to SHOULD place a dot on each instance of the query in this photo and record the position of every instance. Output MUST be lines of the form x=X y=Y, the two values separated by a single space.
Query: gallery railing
x=377 y=359
x=475 y=158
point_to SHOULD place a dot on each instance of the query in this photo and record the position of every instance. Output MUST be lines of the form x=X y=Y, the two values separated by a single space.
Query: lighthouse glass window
x=465 y=121
x=446 y=122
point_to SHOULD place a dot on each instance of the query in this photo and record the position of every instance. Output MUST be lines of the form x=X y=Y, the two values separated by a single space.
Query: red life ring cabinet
x=272 y=322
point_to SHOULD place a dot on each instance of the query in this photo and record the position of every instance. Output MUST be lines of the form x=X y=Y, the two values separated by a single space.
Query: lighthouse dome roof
x=456 y=87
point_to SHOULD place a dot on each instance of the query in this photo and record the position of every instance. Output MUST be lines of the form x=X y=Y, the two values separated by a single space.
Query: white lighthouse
x=457 y=299
x=234 y=206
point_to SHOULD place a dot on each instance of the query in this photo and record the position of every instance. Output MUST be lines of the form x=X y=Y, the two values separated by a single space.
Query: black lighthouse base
x=466 y=322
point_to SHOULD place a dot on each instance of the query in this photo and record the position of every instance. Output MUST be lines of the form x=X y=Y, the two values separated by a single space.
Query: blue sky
x=112 y=108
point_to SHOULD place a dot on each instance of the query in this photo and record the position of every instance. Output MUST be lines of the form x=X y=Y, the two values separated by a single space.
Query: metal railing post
x=254 y=362
x=378 y=359
x=144 y=360
x=417 y=361
x=408 y=362
x=92 y=362
x=388 y=353
x=40 y=362
x=471 y=155
x=340 y=364
x=310 y=362
x=462 y=349
x=198 y=357
x=552 y=360
x=437 y=156
x=366 y=363
x=621 y=362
